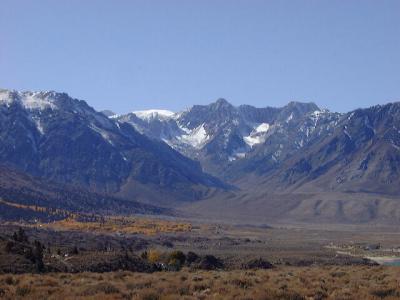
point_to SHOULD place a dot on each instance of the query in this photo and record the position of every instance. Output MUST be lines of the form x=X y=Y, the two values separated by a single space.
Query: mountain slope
x=361 y=155
x=297 y=163
x=54 y=136
x=349 y=175
x=19 y=190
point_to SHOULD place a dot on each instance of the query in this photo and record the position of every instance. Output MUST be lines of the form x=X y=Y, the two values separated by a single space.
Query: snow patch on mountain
x=34 y=100
x=237 y=155
x=394 y=145
x=257 y=136
x=150 y=114
x=253 y=140
x=346 y=132
x=196 y=137
x=39 y=125
x=6 y=97
x=263 y=127
x=103 y=133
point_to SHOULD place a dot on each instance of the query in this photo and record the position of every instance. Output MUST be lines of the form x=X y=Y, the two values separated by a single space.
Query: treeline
x=13 y=213
x=19 y=244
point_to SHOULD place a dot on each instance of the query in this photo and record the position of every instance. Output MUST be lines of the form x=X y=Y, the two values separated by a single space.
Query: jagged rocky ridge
x=290 y=146
x=231 y=140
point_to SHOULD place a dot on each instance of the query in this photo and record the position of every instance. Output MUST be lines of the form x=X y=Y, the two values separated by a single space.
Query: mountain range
x=296 y=163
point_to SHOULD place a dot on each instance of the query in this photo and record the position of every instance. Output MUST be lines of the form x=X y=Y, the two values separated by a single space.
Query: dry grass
x=280 y=283
x=108 y=224
x=123 y=225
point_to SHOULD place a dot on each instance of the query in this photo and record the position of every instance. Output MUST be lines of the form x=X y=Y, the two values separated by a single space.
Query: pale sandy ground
x=384 y=259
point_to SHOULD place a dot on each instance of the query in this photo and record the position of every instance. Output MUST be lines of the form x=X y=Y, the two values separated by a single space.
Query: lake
x=395 y=262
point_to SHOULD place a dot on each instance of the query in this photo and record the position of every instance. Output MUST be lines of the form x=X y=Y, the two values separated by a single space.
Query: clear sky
x=129 y=55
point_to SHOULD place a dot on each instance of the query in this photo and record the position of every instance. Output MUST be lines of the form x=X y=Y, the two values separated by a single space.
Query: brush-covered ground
x=149 y=258
x=329 y=282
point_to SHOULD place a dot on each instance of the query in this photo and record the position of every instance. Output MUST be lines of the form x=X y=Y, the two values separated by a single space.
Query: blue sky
x=129 y=55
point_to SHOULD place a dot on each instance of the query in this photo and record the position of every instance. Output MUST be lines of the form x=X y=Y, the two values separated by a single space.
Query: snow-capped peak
x=36 y=100
x=153 y=114
x=7 y=96
x=29 y=100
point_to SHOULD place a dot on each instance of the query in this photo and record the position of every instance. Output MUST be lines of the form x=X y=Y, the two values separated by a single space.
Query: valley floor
x=121 y=258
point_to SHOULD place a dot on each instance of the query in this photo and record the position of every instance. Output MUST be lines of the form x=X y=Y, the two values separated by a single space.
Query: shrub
x=320 y=295
x=9 y=246
x=197 y=278
x=200 y=287
x=150 y=296
x=9 y=280
x=153 y=256
x=383 y=293
x=290 y=295
x=177 y=256
x=173 y=265
x=242 y=283
x=20 y=236
x=109 y=289
x=191 y=257
x=144 y=255
x=37 y=256
x=22 y=291
x=74 y=251
x=139 y=285
x=168 y=244
x=184 y=290
x=258 y=264
x=210 y=262
x=106 y=288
